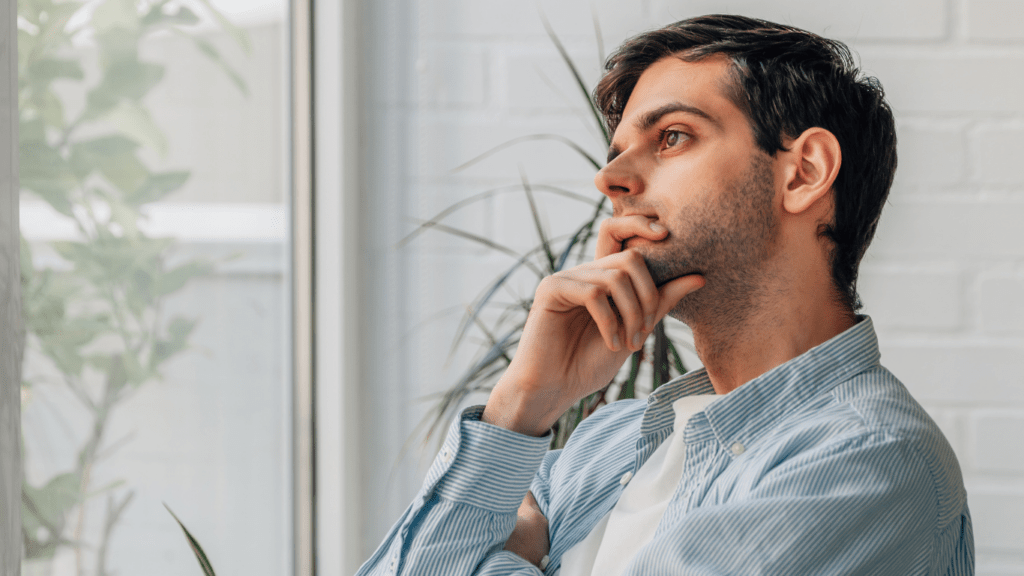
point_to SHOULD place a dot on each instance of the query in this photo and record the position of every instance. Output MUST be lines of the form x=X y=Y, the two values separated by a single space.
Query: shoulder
x=871 y=428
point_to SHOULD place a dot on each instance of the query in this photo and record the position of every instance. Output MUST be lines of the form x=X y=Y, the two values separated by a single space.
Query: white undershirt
x=631 y=523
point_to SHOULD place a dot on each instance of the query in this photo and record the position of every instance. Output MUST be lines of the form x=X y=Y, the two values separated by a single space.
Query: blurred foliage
x=93 y=309
x=548 y=256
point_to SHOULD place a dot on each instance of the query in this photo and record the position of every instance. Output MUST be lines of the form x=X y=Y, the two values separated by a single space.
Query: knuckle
x=592 y=293
x=617 y=275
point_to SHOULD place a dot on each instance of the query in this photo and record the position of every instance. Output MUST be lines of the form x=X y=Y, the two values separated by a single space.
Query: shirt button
x=737 y=448
x=626 y=478
x=446 y=455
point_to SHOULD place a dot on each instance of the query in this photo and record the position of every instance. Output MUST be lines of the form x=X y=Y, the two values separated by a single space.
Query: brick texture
x=996 y=155
x=995 y=20
x=994 y=447
x=1001 y=304
x=866 y=20
x=914 y=299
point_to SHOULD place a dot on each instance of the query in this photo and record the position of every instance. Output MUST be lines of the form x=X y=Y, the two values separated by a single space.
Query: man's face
x=684 y=155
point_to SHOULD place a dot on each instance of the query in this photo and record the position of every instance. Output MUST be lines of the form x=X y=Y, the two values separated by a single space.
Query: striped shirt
x=822 y=465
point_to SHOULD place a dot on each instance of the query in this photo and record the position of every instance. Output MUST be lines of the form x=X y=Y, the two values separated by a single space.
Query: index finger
x=618 y=228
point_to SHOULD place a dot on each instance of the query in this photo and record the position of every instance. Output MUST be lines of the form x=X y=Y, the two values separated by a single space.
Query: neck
x=742 y=336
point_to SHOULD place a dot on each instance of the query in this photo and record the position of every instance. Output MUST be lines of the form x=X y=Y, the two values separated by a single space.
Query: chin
x=663 y=272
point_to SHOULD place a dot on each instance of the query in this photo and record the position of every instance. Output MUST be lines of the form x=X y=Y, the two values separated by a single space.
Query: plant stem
x=88 y=457
x=114 y=512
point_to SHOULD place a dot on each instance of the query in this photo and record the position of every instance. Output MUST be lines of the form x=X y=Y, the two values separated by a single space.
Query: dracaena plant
x=551 y=254
x=95 y=324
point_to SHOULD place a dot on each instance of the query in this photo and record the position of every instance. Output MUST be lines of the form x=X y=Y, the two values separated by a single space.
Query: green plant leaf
x=134 y=372
x=481 y=240
x=485 y=298
x=157 y=186
x=50 y=109
x=677 y=360
x=660 y=357
x=45 y=510
x=178 y=330
x=423 y=227
x=113 y=14
x=115 y=157
x=31 y=130
x=158 y=16
x=580 y=83
x=44 y=171
x=240 y=36
x=131 y=79
x=53 y=33
x=530 y=138
x=126 y=217
x=176 y=278
x=40 y=73
x=211 y=52
x=628 y=388
x=204 y=562
x=537 y=223
x=48 y=504
x=135 y=122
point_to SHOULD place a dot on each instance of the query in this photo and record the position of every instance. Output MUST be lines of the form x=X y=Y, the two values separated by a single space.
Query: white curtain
x=11 y=332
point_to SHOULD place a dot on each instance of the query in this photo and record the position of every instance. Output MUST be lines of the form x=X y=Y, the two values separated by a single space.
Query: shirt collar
x=748 y=411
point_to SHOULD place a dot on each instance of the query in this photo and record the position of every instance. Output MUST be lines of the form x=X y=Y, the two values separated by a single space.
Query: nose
x=618 y=178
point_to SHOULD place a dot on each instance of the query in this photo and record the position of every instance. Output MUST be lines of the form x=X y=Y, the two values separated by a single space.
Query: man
x=747 y=172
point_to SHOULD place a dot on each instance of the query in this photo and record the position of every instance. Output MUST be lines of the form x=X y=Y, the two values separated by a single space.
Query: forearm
x=466 y=510
x=444 y=537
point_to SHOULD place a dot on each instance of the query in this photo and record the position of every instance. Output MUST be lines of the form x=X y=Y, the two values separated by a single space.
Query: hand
x=583 y=325
x=529 y=539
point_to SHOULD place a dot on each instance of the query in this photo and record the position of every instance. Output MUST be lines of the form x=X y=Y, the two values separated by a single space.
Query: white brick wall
x=944 y=280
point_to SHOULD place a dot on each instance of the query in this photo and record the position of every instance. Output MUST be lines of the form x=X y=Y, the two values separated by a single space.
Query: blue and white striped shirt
x=822 y=465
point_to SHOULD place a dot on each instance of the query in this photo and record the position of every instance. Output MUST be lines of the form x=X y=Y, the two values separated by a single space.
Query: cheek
x=689 y=179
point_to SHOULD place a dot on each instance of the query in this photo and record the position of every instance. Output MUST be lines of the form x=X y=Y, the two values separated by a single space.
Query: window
x=156 y=185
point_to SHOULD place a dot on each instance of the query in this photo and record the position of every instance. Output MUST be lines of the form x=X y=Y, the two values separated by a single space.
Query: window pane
x=156 y=285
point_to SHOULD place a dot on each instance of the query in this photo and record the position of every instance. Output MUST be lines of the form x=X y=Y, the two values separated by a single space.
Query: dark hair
x=786 y=80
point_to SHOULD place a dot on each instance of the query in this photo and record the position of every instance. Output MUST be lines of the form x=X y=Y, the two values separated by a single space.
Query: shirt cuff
x=485 y=465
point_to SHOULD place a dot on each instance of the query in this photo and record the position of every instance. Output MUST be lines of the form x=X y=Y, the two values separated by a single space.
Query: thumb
x=673 y=291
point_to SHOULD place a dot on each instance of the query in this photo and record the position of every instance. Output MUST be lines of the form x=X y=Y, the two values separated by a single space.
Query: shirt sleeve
x=866 y=505
x=466 y=509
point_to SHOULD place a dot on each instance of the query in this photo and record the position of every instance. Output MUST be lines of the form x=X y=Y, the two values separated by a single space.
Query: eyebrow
x=648 y=119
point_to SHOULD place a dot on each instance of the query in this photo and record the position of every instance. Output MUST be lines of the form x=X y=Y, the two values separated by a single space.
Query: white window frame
x=10 y=298
x=326 y=287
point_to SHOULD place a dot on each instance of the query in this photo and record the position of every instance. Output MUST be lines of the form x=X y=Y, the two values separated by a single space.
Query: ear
x=810 y=169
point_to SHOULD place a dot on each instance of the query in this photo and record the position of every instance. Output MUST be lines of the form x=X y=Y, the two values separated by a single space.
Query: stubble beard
x=729 y=241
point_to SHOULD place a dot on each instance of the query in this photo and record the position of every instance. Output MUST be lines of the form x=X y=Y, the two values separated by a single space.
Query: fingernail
x=649 y=322
x=615 y=342
x=658 y=228
x=636 y=340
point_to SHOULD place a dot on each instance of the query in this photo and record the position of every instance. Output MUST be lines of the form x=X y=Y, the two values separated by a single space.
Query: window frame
x=326 y=286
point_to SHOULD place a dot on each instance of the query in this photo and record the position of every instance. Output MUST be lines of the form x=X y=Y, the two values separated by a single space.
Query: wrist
x=516 y=412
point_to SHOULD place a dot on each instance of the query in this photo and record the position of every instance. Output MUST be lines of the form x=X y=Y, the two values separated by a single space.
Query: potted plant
x=660 y=357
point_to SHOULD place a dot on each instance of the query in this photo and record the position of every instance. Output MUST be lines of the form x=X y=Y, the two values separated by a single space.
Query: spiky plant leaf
x=204 y=562
x=529 y=138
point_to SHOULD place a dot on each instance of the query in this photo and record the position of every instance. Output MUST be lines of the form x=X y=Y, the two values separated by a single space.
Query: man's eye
x=670 y=138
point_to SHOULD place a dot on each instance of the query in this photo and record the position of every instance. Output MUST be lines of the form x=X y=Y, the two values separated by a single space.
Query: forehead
x=704 y=84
